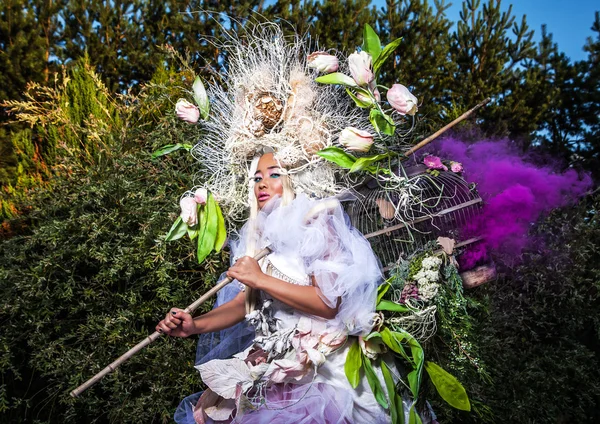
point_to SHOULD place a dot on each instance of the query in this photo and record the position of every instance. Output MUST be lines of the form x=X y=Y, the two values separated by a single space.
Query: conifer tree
x=486 y=57
x=422 y=59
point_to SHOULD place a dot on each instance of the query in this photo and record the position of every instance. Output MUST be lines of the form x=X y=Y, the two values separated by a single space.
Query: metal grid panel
x=450 y=204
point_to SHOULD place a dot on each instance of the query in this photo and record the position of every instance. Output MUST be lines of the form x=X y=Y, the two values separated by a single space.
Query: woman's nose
x=262 y=184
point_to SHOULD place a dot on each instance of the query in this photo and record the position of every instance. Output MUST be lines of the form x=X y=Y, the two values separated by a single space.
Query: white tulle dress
x=282 y=365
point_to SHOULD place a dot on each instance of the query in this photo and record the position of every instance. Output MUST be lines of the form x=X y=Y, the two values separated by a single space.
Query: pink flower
x=323 y=62
x=189 y=211
x=330 y=342
x=360 y=65
x=374 y=90
x=456 y=167
x=187 y=111
x=433 y=162
x=200 y=196
x=356 y=140
x=402 y=100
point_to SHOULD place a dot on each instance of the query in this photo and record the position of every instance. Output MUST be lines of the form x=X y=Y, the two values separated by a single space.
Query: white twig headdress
x=271 y=101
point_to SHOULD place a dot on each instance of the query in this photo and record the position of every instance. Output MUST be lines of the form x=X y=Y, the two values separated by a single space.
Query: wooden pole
x=190 y=309
x=446 y=128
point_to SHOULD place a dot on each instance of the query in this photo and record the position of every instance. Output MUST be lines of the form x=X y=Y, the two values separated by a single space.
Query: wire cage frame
x=450 y=204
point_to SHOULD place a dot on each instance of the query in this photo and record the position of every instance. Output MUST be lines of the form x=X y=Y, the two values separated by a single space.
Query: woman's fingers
x=163 y=328
x=173 y=320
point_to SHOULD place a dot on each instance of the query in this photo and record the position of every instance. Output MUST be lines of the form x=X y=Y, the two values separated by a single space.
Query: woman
x=315 y=290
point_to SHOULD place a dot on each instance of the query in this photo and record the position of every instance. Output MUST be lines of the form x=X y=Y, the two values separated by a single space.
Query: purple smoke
x=516 y=193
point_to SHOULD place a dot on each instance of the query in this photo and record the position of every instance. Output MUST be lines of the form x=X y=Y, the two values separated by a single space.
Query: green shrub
x=90 y=278
x=540 y=336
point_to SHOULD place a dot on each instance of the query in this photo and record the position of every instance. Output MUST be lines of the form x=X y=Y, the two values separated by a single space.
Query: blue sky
x=569 y=21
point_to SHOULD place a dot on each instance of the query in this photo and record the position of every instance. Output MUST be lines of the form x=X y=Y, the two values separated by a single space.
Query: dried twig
x=446 y=128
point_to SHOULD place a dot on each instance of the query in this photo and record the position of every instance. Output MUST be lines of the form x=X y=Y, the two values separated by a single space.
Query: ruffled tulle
x=331 y=250
x=288 y=403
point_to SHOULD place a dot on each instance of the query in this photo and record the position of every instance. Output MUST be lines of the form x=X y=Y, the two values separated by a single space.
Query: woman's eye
x=257 y=179
x=275 y=175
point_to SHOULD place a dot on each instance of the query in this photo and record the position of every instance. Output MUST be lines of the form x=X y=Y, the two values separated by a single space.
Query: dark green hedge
x=88 y=278
x=539 y=335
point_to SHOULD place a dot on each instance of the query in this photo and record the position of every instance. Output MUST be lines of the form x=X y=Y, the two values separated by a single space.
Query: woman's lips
x=263 y=196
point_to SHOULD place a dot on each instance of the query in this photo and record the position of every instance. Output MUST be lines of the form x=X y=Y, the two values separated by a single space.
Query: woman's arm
x=178 y=323
x=303 y=298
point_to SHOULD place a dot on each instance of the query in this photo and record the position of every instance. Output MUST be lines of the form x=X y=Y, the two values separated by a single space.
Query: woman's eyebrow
x=270 y=167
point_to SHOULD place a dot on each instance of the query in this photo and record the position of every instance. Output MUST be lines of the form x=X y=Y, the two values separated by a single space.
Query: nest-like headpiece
x=271 y=100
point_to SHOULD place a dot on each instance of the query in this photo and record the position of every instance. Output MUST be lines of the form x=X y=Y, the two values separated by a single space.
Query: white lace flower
x=422 y=282
x=432 y=275
x=428 y=291
x=419 y=275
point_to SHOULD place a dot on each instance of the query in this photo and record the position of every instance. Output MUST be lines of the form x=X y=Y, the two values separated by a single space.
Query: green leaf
x=374 y=383
x=372 y=335
x=382 y=290
x=396 y=407
x=364 y=163
x=208 y=233
x=413 y=417
x=336 y=78
x=337 y=156
x=221 y=229
x=178 y=230
x=371 y=42
x=393 y=343
x=353 y=364
x=388 y=305
x=414 y=383
x=448 y=387
x=359 y=102
x=382 y=122
x=387 y=51
x=193 y=232
x=169 y=148
x=201 y=98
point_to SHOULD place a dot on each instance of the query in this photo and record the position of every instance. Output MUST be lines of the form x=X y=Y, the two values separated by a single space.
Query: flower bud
x=402 y=100
x=189 y=211
x=323 y=62
x=370 y=348
x=360 y=65
x=200 y=196
x=186 y=111
x=201 y=97
x=356 y=140
x=456 y=167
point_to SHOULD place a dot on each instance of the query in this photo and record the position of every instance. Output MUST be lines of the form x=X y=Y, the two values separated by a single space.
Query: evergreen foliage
x=84 y=269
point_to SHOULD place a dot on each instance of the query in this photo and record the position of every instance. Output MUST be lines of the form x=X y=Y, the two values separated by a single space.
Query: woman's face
x=267 y=180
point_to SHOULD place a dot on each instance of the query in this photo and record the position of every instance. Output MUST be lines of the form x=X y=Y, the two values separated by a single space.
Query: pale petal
x=222 y=376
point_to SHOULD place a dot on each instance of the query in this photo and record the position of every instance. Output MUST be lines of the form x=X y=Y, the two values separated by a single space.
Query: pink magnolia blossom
x=356 y=140
x=361 y=65
x=433 y=162
x=200 y=196
x=187 y=111
x=189 y=211
x=282 y=370
x=456 y=167
x=330 y=342
x=402 y=100
x=323 y=62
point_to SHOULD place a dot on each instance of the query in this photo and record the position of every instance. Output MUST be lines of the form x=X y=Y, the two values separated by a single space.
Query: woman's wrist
x=198 y=325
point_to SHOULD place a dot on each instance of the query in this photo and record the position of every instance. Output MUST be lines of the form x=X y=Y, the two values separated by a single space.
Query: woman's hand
x=246 y=270
x=177 y=323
